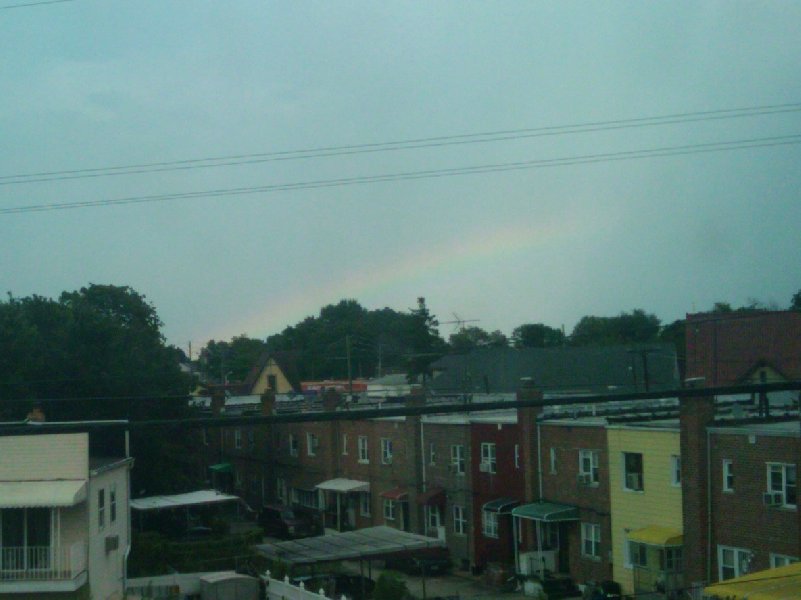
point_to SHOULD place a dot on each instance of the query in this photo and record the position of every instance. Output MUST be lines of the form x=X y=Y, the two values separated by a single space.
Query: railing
x=283 y=590
x=42 y=563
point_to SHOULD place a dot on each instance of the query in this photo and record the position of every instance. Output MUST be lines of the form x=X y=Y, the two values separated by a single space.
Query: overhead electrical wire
x=409 y=144
x=31 y=4
x=426 y=174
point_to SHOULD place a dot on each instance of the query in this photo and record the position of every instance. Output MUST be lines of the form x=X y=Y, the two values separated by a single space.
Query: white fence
x=42 y=563
x=283 y=590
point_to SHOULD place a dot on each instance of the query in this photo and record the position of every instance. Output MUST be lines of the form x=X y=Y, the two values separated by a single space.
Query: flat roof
x=372 y=542
x=789 y=428
x=177 y=500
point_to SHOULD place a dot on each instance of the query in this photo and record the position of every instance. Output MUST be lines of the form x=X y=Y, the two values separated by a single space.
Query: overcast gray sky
x=92 y=84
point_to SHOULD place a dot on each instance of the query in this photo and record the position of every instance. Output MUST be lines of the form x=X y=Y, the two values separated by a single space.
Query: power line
x=29 y=4
x=410 y=144
x=427 y=174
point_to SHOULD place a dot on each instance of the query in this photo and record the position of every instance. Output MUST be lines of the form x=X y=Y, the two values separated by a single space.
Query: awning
x=435 y=496
x=549 y=512
x=656 y=535
x=344 y=485
x=222 y=468
x=178 y=500
x=501 y=505
x=371 y=542
x=397 y=494
x=782 y=583
x=22 y=494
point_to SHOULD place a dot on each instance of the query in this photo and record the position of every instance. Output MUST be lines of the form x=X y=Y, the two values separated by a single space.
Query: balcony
x=42 y=568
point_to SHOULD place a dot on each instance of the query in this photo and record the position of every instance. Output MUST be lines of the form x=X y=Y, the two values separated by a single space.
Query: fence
x=42 y=563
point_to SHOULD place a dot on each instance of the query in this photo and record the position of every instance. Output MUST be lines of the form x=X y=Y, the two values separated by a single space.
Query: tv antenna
x=459 y=322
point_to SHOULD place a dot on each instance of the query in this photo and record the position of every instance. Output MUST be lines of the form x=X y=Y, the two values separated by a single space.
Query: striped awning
x=549 y=512
x=656 y=535
x=22 y=494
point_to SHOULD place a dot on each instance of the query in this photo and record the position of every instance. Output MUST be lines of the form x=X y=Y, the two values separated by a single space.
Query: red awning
x=397 y=494
x=434 y=496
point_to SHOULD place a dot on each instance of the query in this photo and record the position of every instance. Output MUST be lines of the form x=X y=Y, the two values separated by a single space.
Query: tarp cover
x=178 y=500
x=435 y=496
x=547 y=511
x=396 y=494
x=372 y=542
x=344 y=485
x=21 y=494
x=501 y=505
x=782 y=583
x=656 y=535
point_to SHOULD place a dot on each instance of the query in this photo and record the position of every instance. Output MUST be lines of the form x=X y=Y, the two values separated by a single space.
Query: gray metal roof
x=372 y=542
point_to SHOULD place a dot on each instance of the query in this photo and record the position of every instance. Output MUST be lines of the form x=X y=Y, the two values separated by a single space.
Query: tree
x=390 y=586
x=795 y=303
x=537 y=335
x=230 y=361
x=626 y=328
x=426 y=344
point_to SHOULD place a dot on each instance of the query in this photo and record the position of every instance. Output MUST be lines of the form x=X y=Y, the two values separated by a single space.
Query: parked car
x=336 y=584
x=434 y=564
x=284 y=522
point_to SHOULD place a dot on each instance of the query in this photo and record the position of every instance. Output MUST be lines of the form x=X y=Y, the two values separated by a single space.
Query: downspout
x=128 y=523
x=423 y=454
x=708 y=507
x=539 y=462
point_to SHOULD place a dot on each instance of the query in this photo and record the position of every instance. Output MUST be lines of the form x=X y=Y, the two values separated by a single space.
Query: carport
x=363 y=544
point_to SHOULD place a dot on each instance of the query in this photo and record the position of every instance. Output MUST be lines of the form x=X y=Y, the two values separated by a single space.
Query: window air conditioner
x=585 y=479
x=484 y=467
x=112 y=542
x=633 y=481
x=773 y=498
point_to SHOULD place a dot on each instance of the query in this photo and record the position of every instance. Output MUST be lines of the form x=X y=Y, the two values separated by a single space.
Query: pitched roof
x=591 y=369
x=285 y=362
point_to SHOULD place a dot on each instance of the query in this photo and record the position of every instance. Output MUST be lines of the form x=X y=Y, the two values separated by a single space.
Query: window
x=671 y=560
x=112 y=503
x=432 y=516
x=552 y=460
x=632 y=472
x=432 y=454
x=312 y=444
x=294 y=446
x=459 y=520
x=488 y=464
x=345 y=444
x=732 y=562
x=457 y=459
x=781 y=560
x=638 y=554
x=389 y=510
x=251 y=440
x=307 y=498
x=781 y=480
x=364 y=504
x=280 y=489
x=364 y=456
x=386 y=451
x=272 y=382
x=517 y=456
x=237 y=439
x=728 y=475
x=238 y=479
x=588 y=466
x=591 y=540
x=489 y=523
x=675 y=470
x=101 y=508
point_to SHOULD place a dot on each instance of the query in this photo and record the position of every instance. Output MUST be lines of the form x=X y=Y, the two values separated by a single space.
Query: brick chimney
x=217 y=402
x=36 y=415
x=268 y=402
x=331 y=400
x=527 y=421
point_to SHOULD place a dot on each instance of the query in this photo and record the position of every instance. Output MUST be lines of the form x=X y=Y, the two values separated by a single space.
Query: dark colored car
x=434 y=564
x=336 y=584
x=284 y=522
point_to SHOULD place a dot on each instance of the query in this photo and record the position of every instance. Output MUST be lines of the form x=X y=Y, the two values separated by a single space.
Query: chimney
x=331 y=400
x=36 y=415
x=268 y=402
x=527 y=422
x=217 y=401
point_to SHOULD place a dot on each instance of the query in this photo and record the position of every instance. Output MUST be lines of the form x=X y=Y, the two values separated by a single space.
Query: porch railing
x=42 y=563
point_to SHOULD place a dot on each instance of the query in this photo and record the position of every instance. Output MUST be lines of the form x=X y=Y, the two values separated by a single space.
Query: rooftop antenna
x=459 y=322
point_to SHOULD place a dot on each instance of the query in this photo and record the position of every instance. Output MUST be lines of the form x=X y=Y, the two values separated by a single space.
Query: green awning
x=500 y=505
x=222 y=468
x=547 y=511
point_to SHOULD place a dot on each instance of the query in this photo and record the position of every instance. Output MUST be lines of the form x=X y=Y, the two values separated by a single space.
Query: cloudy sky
x=94 y=84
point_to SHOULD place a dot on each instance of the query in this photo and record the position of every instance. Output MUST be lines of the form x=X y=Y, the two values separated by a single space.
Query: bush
x=390 y=586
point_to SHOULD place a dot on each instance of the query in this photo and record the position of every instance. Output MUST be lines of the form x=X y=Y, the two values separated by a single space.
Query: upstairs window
x=364 y=455
x=588 y=466
x=488 y=464
x=781 y=481
x=728 y=475
x=432 y=454
x=386 y=451
x=294 y=445
x=312 y=444
x=344 y=444
x=238 y=439
x=632 y=472
x=101 y=508
x=112 y=503
x=458 y=459
x=675 y=470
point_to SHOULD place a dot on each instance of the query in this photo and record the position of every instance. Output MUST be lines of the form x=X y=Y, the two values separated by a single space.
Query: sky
x=87 y=85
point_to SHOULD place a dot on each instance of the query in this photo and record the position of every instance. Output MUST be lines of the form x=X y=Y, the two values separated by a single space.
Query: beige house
x=64 y=527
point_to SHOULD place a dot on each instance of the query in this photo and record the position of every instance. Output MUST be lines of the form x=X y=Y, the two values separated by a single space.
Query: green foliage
x=390 y=586
x=795 y=303
x=537 y=335
x=469 y=338
x=626 y=328
x=230 y=360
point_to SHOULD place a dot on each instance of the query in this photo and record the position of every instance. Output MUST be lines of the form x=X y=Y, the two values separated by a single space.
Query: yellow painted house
x=645 y=496
x=271 y=372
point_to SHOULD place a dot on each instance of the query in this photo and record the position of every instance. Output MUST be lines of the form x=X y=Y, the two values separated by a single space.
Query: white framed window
x=101 y=508
x=781 y=480
x=364 y=455
x=728 y=475
x=671 y=560
x=432 y=515
x=344 y=444
x=781 y=560
x=675 y=470
x=364 y=504
x=488 y=462
x=386 y=451
x=294 y=445
x=307 y=498
x=432 y=453
x=112 y=503
x=280 y=489
x=517 y=456
x=389 y=509
x=638 y=554
x=458 y=459
x=459 y=520
x=733 y=562
x=489 y=523
x=552 y=460
x=588 y=465
x=632 y=472
x=238 y=439
x=312 y=444
x=591 y=540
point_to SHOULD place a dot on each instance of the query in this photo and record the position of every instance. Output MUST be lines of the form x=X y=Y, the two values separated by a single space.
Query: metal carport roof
x=372 y=542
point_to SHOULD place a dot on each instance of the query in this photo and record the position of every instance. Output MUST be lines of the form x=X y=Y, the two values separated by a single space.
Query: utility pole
x=350 y=372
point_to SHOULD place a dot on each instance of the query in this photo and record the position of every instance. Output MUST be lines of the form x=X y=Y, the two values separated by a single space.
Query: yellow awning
x=21 y=494
x=782 y=583
x=656 y=535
